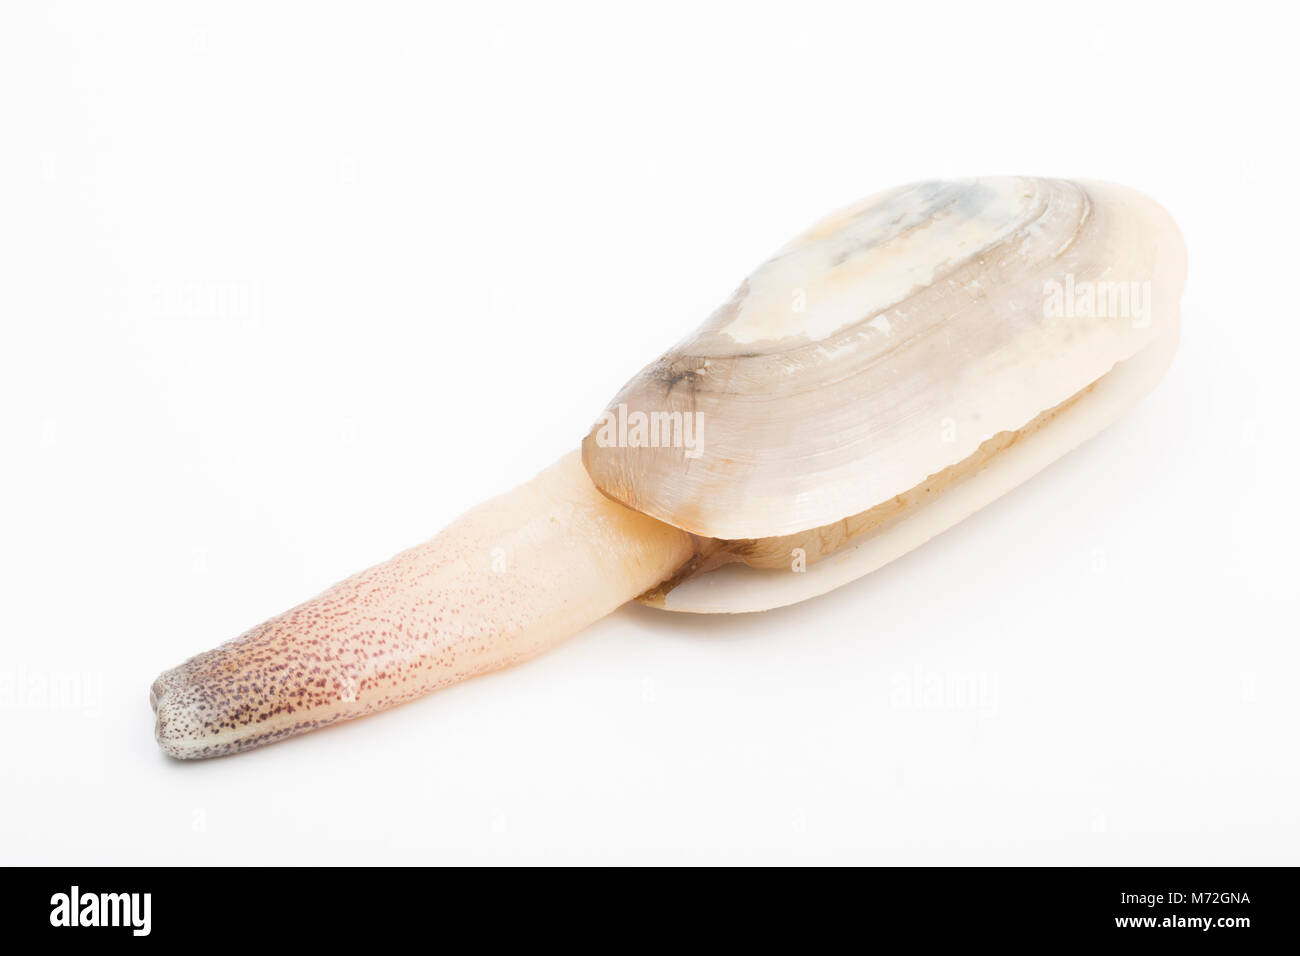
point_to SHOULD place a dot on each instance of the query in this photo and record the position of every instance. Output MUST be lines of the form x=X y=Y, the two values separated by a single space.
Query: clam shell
x=737 y=588
x=887 y=345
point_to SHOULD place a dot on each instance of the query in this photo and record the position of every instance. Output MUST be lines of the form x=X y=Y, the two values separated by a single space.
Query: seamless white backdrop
x=286 y=287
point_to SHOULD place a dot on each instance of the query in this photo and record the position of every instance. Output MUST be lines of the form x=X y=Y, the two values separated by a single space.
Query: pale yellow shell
x=885 y=346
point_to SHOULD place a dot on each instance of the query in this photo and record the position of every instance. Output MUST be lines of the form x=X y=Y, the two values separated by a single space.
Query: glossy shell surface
x=885 y=344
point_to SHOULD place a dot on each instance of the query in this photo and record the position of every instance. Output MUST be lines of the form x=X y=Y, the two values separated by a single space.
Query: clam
x=902 y=363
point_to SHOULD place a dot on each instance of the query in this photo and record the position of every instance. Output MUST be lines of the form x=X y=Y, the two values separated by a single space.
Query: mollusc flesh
x=897 y=366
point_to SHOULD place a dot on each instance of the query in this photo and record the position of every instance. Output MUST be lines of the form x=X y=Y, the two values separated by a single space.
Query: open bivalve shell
x=891 y=370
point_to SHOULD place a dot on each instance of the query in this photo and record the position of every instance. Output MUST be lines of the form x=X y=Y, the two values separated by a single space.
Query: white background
x=286 y=288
